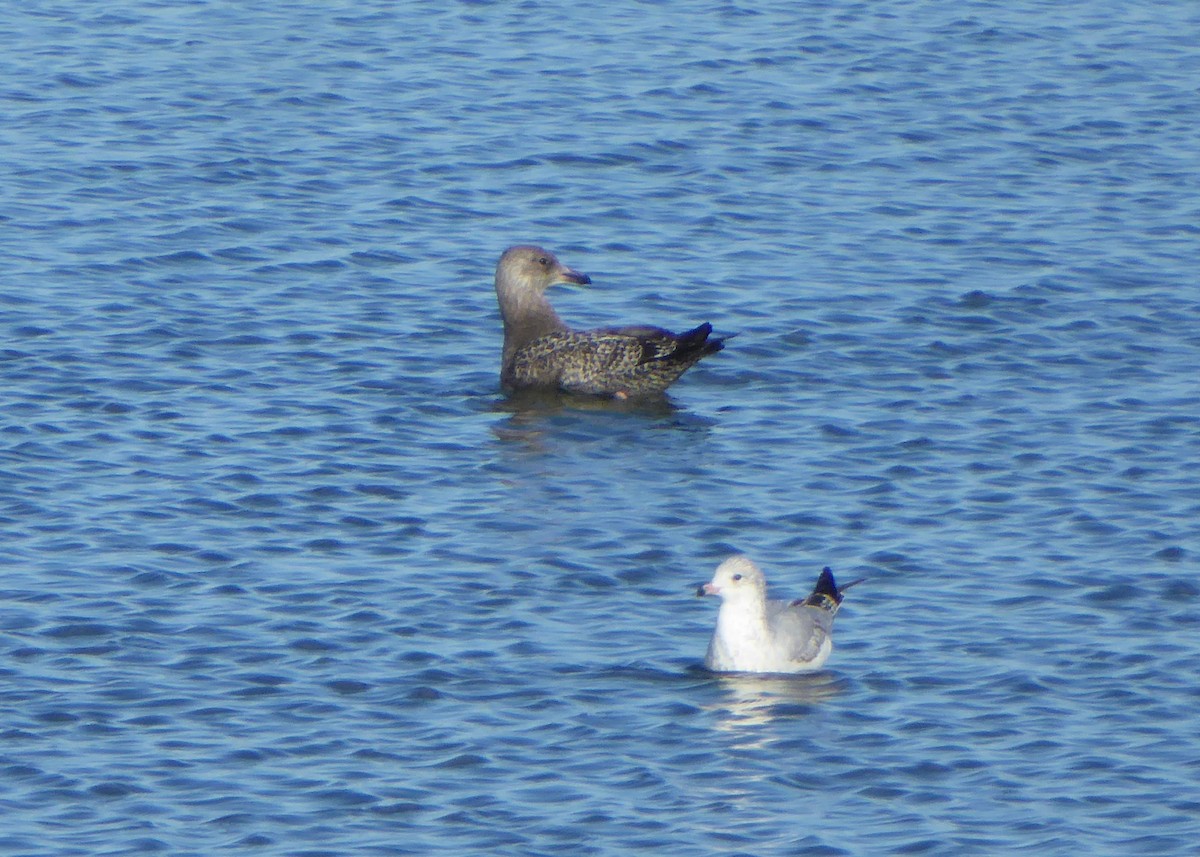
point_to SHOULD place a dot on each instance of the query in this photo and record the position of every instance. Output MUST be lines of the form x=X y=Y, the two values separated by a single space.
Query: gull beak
x=568 y=275
x=706 y=589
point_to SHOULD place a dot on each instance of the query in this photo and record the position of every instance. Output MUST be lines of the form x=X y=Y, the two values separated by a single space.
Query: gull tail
x=826 y=593
x=694 y=344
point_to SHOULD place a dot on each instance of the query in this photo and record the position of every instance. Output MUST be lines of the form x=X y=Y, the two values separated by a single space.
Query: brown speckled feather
x=611 y=362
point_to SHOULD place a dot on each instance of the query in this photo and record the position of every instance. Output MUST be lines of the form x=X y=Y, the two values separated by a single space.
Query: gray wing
x=800 y=630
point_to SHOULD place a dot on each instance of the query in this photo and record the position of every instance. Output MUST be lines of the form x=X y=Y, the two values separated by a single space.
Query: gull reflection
x=758 y=699
x=532 y=413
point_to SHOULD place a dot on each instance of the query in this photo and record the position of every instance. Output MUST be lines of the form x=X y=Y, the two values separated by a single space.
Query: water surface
x=284 y=573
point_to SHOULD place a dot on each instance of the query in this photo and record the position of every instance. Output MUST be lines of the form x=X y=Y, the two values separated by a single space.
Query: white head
x=736 y=579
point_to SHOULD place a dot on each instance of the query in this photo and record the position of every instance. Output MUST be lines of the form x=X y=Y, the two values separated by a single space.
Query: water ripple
x=285 y=571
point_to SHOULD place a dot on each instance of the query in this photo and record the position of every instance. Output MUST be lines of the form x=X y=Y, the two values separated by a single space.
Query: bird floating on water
x=540 y=351
x=758 y=635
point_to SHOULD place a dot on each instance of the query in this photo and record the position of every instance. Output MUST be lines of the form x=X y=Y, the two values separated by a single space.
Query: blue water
x=284 y=573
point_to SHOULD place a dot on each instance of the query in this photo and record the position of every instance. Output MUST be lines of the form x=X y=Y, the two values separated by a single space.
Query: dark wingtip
x=718 y=344
x=826 y=585
x=825 y=594
x=694 y=337
x=697 y=339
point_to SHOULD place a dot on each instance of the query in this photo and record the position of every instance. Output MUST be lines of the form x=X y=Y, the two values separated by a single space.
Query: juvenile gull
x=541 y=351
x=754 y=634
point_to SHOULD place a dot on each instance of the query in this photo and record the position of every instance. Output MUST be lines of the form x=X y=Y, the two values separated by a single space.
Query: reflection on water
x=753 y=700
x=531 y=413
x=551 y=402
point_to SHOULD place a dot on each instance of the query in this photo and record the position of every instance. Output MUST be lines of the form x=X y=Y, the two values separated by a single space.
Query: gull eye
x=737 y=577
x=543 y=261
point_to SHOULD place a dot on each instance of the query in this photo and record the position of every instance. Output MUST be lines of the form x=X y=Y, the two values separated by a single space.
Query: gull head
x=529 y=268
x=736 y=579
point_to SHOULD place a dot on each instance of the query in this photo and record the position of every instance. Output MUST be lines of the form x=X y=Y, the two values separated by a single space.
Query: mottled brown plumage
x=540 y=351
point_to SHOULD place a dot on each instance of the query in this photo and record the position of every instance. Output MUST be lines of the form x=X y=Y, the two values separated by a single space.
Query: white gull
x=758 y=635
